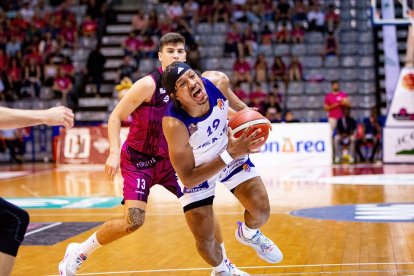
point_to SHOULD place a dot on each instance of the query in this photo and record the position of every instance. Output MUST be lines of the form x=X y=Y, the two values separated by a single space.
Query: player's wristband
x=226 y=157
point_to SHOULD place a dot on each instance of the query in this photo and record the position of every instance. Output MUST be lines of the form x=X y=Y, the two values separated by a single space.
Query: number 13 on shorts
x=140 y=184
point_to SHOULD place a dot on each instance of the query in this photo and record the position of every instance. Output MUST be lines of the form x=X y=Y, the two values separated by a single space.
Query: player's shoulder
x=146 y=82
x=216 y=77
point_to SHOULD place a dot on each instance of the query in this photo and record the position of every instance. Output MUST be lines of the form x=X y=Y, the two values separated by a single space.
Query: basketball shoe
x=265 y=248
x=231 y=270
x=73 y=259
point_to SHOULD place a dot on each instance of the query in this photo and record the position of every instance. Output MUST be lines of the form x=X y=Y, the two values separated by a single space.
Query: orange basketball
x=248 y=117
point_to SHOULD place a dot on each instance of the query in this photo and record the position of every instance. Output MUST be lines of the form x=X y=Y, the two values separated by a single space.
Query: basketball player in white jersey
x=202 y=151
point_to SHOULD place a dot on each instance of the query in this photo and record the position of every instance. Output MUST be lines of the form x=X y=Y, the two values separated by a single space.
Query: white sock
x=222 y=266
x=247 y=232
x=90 y=245
x=223 y=250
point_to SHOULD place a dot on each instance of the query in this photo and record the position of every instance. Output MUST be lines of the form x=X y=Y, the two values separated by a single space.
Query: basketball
x=248 y=117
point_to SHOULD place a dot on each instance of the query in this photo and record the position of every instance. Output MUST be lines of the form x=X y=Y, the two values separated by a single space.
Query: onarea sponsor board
x=401 y=112
x=85 y=145
x=288 y=144
x=398 y=145
x=296 y=144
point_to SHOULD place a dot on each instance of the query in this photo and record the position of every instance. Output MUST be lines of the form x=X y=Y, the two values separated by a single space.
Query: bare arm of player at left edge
x=222 y=81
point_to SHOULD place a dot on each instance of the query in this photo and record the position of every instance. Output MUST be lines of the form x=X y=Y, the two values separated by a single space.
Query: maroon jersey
x=145 y=133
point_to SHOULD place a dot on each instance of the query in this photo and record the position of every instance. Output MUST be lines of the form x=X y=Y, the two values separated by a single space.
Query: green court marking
x=65 y=202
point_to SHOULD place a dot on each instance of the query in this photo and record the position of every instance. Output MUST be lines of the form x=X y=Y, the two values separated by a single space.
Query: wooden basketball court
x=165 y=246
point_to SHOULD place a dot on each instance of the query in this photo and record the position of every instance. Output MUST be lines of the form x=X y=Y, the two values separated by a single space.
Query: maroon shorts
x=141 y=172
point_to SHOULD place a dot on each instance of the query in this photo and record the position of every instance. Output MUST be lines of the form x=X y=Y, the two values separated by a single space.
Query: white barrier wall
x=398 y=145
x=296 y=144
x=398 y=135
x=293 y=144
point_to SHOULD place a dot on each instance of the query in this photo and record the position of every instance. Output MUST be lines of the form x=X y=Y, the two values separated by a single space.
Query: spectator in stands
x=369 y=136
x=185 y=30
x=5 y=89
x=331 y=46
x=154 y=26
x=96 y=66
x=316 y=19
x=32 y=74
x=257 y=98
x=67 y=68
x=295 y=72
x=334 y=104
x=69 y=34
x=278 y=69
x=282 y=35
x=234 y=40
x=254 y=12
x=297 y=34
x=148 y=47
x=139 y=23
x=132 y=46
x=290 y=118
x=191 y=9
x=299 y=12
x=269 y=9
x=62 y=86
x=3 y=39
x=4 y=60
x=13 y=47
x=272 y=101
x=47 y=44
x=241 y=71
x=260 y=68
x=221 y=11
x=15 y=74
x=345 y=135
x=237 y=6
x=249 y=41
x=275 y=89
x=38 y=21
x=127 y=69
x=273 y=115
x=241 y=94
x=332 y=19
x=89 y=27
x=13 y=140
x=26 y=11
x=266 y=35
x=175 y=11
x=194 y=57
x=164 y=25
x=283 y=11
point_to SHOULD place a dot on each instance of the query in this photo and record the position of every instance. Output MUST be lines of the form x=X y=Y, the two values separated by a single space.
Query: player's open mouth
x=198 y=94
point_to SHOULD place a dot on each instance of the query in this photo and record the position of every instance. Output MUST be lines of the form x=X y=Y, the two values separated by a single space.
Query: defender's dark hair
x=170 y=38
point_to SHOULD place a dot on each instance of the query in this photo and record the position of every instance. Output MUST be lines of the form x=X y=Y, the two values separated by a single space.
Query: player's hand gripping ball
x=248 y=117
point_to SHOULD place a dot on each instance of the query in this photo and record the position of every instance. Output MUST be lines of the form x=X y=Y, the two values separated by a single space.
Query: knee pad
x=13 y=225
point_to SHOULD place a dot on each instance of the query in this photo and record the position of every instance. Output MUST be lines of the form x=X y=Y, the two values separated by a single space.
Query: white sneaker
x=265 y=248
x=337 y=160
x=72 y=261
x=231 y=271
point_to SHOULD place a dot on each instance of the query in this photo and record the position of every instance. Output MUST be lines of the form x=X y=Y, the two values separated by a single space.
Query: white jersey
x=208 y=138
x=208 y=134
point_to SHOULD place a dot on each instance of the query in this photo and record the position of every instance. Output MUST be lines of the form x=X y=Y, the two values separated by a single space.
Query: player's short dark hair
x=170 y=38
x=335 y=81
x=167 y=82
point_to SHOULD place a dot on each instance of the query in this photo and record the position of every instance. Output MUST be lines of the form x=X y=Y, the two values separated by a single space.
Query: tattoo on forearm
x=136 y=217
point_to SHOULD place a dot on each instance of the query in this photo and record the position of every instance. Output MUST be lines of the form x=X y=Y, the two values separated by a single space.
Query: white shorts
x=234 y=174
